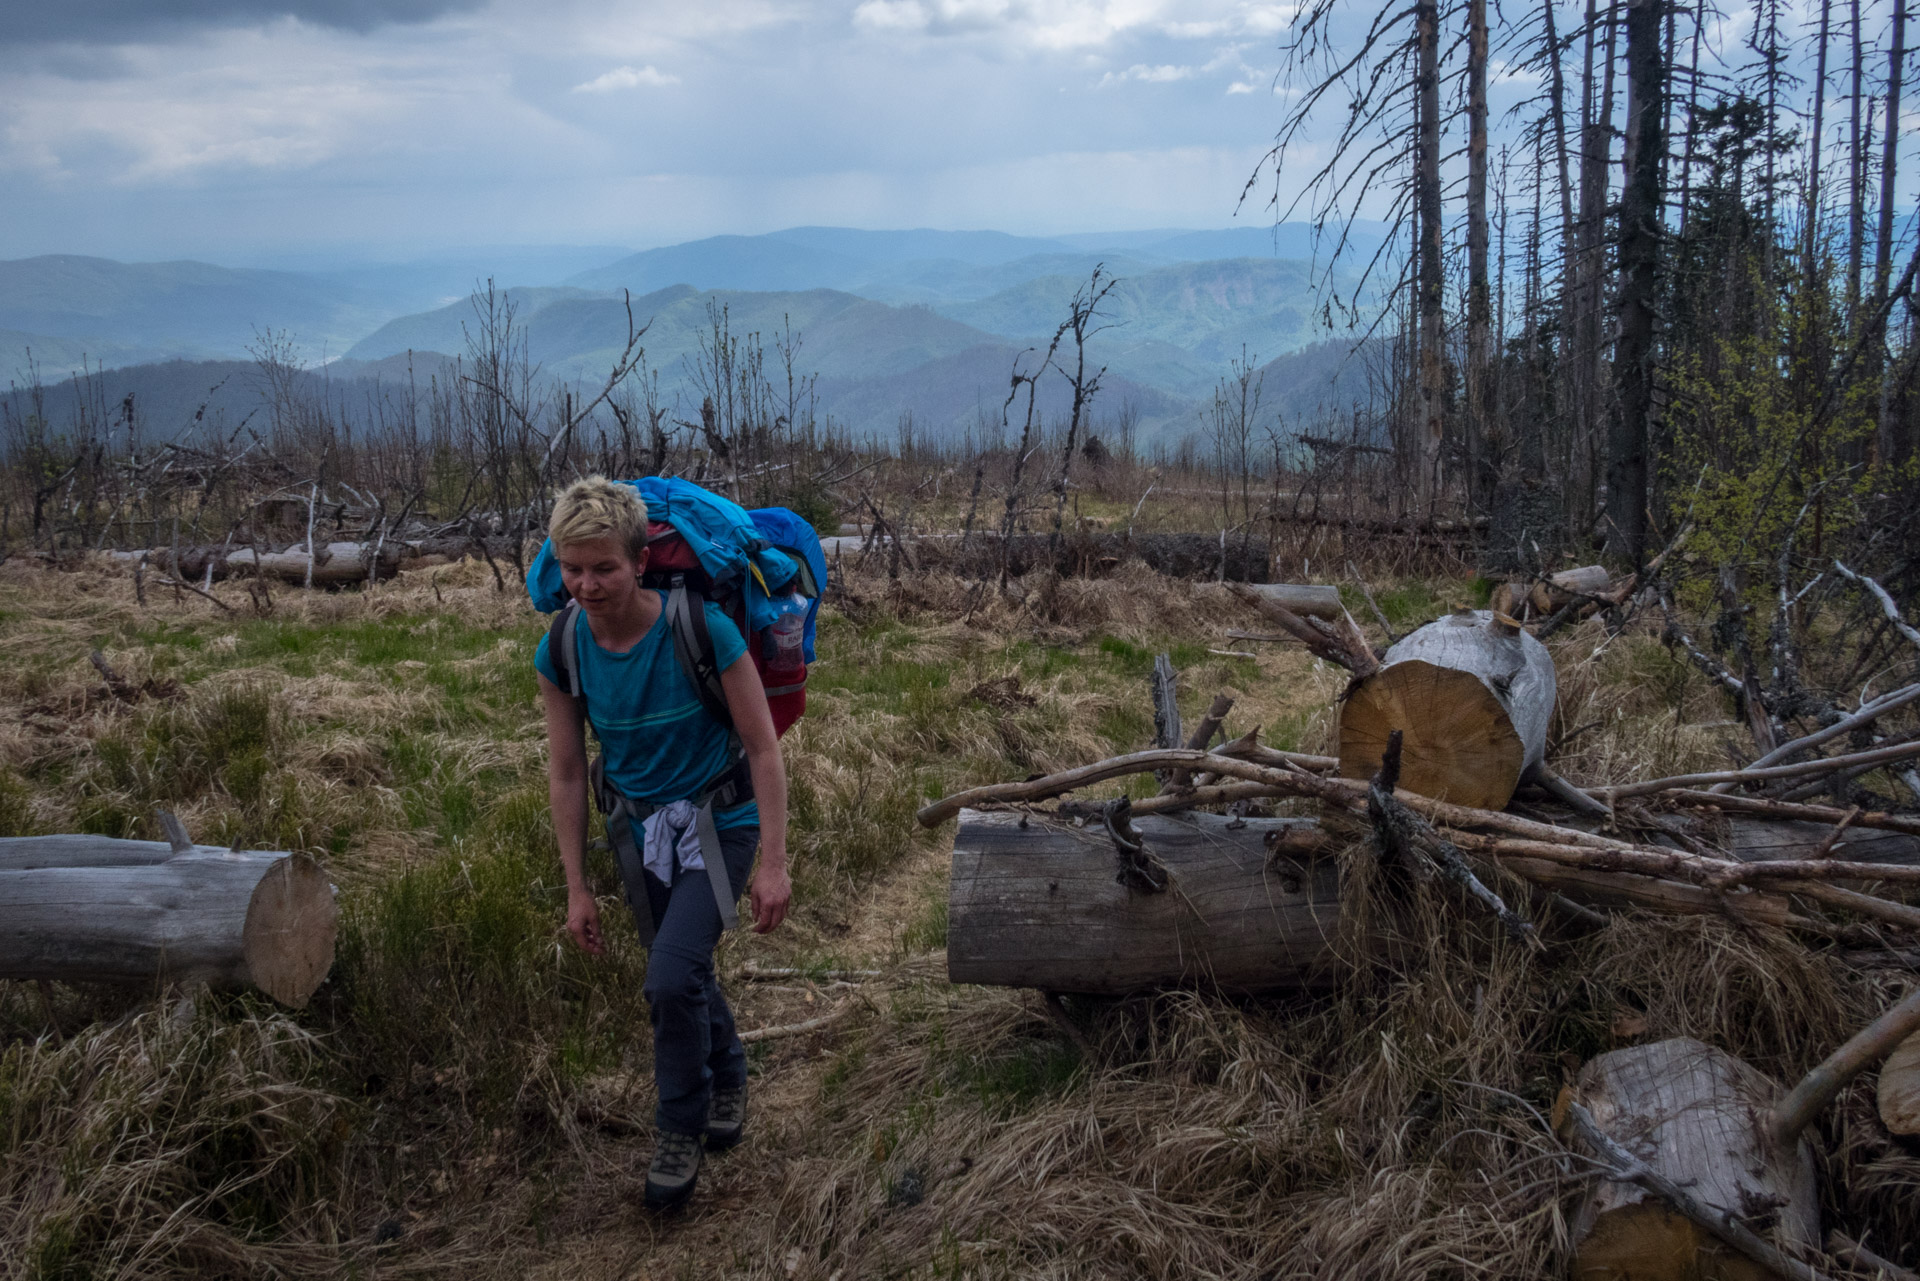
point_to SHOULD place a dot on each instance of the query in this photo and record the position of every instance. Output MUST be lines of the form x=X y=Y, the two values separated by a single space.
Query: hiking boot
x=675 y=1169
x=727 y=1118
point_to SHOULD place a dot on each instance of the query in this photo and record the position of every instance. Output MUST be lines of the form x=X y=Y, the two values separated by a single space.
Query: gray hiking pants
x=695 y=1047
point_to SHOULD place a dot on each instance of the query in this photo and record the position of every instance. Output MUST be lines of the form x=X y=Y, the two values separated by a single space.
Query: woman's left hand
x=769 y=895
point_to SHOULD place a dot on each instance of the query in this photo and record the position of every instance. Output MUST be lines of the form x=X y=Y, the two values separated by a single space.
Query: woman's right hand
x=583 y=922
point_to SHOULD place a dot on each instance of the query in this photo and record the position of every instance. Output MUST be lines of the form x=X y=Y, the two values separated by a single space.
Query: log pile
x=1703 y=1168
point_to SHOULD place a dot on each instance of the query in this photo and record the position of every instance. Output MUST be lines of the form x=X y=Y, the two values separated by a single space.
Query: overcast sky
x=251 y=130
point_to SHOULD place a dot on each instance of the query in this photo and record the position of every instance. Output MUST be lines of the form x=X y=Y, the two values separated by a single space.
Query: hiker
x=672 y=780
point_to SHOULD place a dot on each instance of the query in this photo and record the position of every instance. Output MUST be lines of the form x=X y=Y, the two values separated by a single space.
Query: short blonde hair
x=595 y=507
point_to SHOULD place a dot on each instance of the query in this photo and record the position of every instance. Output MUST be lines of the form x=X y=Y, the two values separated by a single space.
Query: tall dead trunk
x=1557 y=104
x=1856 y=174
x=1589 y=356
x=1479 y=290
x=1629 y=456
x=1810 y=250
x=1430 y=280
x=1884 y=444
x=1693 y=111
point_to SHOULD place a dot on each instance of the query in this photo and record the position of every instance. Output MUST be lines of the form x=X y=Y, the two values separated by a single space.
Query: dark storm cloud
x=120 y=21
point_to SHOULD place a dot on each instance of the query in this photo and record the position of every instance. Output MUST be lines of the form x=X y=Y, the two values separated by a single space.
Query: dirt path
x=598 y=1230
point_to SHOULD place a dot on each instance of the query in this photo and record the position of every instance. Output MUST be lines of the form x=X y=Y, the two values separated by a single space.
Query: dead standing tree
x=1390 y=78
x=1081 y=322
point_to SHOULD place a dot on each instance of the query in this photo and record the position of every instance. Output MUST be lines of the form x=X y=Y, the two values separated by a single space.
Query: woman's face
x=601 y=575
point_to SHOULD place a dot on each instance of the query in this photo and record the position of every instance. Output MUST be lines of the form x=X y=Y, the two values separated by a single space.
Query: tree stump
x=1700 y=1117
x=1472 y=695
x=137 y=912
x=1037 y=903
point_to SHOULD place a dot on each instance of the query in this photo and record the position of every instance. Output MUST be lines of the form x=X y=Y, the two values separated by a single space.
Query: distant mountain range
x=927 y=322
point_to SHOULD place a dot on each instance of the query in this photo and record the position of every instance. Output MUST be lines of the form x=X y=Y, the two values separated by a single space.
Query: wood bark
x=1886 y=446
x=1430 y=281
x=1478 y=422
x=1568 y=585
x=1772 y=840
x=1697 y=1117
x=1630 y=433
x=1810 y=248
x=1856 y=169
x=1306 y=600
x=1473 y=696
x=1036 y=903
x=92 y=909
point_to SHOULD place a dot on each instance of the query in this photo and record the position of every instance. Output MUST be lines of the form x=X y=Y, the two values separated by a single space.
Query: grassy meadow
x=470 y=1096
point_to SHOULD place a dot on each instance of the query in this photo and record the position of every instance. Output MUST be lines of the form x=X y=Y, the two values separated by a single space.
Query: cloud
x=627 y=78
x=1145 y=74
x=124 y=21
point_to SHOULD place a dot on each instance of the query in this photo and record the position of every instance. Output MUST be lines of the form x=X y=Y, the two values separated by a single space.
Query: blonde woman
x=675 y=771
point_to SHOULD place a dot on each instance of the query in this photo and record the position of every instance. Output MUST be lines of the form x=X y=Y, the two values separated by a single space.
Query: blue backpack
x=703 y=547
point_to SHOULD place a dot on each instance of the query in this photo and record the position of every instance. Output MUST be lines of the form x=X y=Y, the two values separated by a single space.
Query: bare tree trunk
x=1810 y=251
x=1856 y=176
x=1629 y=436
x=1430 y=280
x=1693 y=111
x=1479 y=291
x=1884 y=443
x=1568 y=244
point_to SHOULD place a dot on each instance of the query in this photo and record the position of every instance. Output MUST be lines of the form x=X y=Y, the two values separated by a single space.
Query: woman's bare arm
x=747 y=701
x=567 y=795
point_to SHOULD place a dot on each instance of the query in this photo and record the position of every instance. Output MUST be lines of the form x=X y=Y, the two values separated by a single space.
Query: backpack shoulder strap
x=563 y=650
x=693 y=646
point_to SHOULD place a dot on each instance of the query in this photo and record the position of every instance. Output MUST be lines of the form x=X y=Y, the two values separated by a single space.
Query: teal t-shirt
x=659 y=742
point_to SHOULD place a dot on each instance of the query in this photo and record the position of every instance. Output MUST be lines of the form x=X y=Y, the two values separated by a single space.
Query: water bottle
x=786 y=638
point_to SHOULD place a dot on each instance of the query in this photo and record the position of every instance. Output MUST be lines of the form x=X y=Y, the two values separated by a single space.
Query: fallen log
x=1766 y=807
x=1473 y=694
x=1696 y=1120
x=1037 y=903
x=1777 y=840
x=1567 y=586
x=1306 y=601
x=93 y=909
x=1489 y=832
x=336 y=562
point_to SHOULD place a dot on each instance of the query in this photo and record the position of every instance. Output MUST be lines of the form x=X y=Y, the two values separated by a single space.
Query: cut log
x=1698 y=1117
x=1304 y=600
x=1472 y=694
x=1035 y=903
x=1900 y=1087
x=1560 y=588
x=117 y=911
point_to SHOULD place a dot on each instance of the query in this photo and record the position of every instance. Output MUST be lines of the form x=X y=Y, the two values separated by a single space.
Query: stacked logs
x=1436 y=736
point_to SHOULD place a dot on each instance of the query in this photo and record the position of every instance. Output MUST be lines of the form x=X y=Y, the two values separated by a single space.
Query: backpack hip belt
x=625 y=815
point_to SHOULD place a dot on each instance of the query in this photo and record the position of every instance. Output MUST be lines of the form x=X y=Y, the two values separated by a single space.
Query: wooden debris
x=1403 y=834
x=1862 y=1051
x=1034 y=903
x=1473 y=694
x=1306 y=601
x=94 y=909
x=1679 y=1128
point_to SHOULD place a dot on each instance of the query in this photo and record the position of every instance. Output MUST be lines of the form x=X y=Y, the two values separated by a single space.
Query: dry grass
x=469 y=1096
